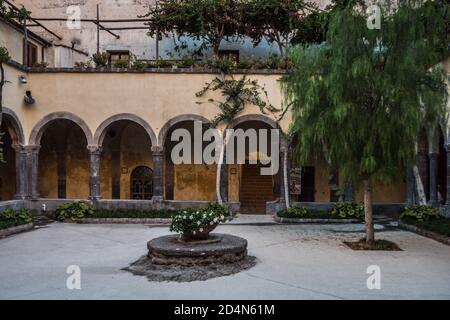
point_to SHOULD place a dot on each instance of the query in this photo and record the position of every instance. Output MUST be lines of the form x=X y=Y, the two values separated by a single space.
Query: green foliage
x=359 y=100
x=161 y=63
x=121 y=64
x=74 y=211
x=82 y=64
x=131 y=213
x=348 y=209
x=294 y=212
x=186 y=62
x=420 y=213
x=4 y=55
x=237 y=94
x=139 y=64
x=224 y=64
x=208 y=20
x=100 y=59
x=244 y=63
x=438 y=224
x=10 y=218
x=188 y=220
x=12 y=14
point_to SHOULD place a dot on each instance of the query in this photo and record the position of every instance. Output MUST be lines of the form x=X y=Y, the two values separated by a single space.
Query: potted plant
x=100 y=59
x=197 y=224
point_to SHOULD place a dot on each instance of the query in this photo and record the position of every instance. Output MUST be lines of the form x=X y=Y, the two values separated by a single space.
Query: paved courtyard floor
x=294 y=262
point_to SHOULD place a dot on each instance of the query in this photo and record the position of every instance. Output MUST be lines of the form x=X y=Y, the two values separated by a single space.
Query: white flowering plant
x=197 y=220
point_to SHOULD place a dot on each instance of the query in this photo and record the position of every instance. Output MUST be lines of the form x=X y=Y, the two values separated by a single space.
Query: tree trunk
x=368 y=213
x=219 y=168
x=419 y=186
x=2 y=82
x=285 y=179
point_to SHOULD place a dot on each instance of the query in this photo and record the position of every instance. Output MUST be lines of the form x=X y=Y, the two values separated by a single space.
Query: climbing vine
x=237 y=94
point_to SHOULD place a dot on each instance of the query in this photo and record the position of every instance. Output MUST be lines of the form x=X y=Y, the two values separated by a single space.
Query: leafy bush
x=74 y=211
x=10 y=218
x=222 y=63
x=294 y=212
x=186 y=220
x=42 y=64
x=161 y=63
x=4 y=55
x=348 y=209
x=244 y=63
x=120 y=64
x=82 y=64
x=186 y=62
x=100 y=59
x=139 y=64
x=130 y=213
x=420 y=213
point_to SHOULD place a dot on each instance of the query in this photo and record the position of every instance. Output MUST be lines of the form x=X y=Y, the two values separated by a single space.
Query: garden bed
x=437 y=229
x=378 y=245
x=313 y=216
x=13 y=229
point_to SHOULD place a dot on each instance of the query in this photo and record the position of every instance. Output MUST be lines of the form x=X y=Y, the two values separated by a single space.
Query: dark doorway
x=142 y=183
x=308 y=186
x=442 y=171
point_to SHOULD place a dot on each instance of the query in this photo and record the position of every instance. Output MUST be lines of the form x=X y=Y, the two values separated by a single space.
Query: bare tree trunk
x=285 y=179
x=219 y=168
x=370 y=232
x=419 y=186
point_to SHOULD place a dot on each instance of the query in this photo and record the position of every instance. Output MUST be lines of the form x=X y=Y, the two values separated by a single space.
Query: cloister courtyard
x=293 y=262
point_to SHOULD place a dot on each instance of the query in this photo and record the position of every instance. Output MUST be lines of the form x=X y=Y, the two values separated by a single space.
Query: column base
x=157 y=198
x=95 y=198
x=446 y=210
x=20 y=197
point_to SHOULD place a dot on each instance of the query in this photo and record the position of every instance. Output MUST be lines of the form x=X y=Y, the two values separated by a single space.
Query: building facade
x=104 y=135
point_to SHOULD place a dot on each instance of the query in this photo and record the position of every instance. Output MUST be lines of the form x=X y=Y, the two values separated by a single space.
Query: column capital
x=157 y=150
x=19 y=148
x=92 y=149
x=433 y=155
x=32 y=148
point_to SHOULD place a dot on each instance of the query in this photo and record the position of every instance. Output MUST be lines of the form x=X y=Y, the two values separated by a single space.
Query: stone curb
x=425 y=233
x=126 y=220
x=313 y=220
x=17 y=229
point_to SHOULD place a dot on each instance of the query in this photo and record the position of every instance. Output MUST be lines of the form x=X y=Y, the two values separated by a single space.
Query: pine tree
x=359 y=99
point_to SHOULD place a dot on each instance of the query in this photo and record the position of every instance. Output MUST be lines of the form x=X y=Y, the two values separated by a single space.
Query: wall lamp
x=29 y=98
x=23 y=79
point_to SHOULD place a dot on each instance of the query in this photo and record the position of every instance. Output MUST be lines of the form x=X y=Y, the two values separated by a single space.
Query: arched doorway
x=63 y=161
x=7 y=164
x=142 y=183
x=126 y=142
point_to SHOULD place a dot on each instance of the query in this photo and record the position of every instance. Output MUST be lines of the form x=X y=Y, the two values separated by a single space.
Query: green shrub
x=74 y=211
x=186 y=220
x=82 y=64
x=100 y=59
x=222 y=63
x=164 y=64
x=186 y=62
x=348 y=209
x=139 y=64
x=294 y=212
x=10 y=218
x=244 y=63
x=120 y=64
x=4 y=55
x=420 y=213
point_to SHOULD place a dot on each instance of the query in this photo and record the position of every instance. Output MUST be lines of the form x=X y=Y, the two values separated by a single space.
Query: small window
x=118 y=55
x=32 y=54
x=233 y=54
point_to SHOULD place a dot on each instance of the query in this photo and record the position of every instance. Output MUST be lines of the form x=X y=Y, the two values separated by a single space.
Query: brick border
x=17 y=229
x=278 y=219
x=425 y=233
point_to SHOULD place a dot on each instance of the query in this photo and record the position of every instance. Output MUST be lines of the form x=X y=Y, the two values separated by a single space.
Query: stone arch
x=169 y=124
x=102 y=129
x=39 y=128
x=253 y=117
x=14 y=126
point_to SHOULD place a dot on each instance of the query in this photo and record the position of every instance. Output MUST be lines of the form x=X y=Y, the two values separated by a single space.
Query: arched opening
x=63 y=161
x=8 y=163
x=142 y=183
x=190 y=180
x=126 y=147
x=246 y=183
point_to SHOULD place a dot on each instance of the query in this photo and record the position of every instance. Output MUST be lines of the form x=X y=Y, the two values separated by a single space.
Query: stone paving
x=293 y=262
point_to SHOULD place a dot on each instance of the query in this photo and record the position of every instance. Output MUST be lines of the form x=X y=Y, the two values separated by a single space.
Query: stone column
x=433 y=161
x=282 y=196
x=21 y=172
x=158 y=173
x=94 y=172
x=32 y=153
x=224 y=182
x=410 y=186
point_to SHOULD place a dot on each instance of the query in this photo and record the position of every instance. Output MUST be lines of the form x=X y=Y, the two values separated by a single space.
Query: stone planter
x=204 y=235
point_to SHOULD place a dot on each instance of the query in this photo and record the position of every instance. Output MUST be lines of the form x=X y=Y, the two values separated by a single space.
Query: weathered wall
x=195 y=182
